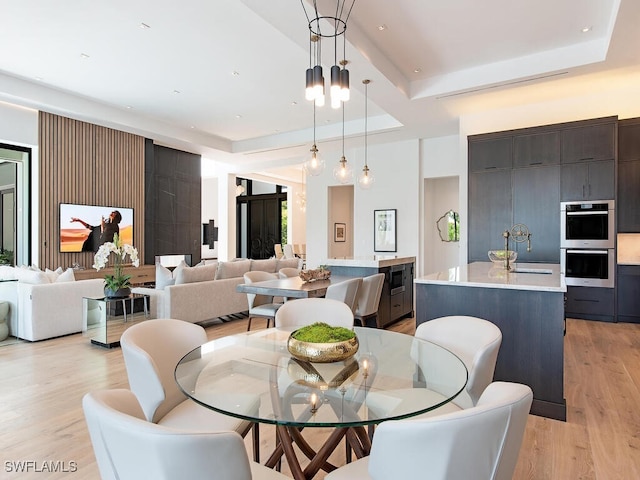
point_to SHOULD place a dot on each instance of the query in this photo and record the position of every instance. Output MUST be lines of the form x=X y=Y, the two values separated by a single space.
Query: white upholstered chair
x=151 y=351
x=305 y=311
x=480 y=443
x=128 y=447
x=475 y=341
x=368 y=298
x=261 y=306
x=346 y=292
x=288 y=251
x=287 y=272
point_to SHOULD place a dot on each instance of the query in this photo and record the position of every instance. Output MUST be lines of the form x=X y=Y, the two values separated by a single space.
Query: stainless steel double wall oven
x=587 y=243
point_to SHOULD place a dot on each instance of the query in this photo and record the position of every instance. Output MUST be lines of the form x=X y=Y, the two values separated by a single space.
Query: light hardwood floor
x=42 y=384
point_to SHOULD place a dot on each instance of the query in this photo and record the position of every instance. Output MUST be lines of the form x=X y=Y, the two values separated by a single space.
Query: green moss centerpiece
x=322 y=343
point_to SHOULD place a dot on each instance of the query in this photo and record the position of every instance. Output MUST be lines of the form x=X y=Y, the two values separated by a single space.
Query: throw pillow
x=164 y=277
x=66 y=276
x=34 y=277
x=196 y=274
x=7 y=272
x=53 y=274
x=232 y=269
x=268 y=265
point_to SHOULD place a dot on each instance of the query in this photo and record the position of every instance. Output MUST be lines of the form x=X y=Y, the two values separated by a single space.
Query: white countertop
x=376 y=261
x=487 y=275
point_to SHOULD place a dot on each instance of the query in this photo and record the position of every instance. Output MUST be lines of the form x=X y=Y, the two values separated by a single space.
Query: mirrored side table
x=104 y=319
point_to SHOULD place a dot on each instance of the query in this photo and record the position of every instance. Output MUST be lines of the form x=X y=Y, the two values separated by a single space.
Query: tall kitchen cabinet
x=521 y=176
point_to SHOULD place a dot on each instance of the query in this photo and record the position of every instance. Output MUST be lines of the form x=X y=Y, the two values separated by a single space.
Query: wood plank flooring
x=42 y=384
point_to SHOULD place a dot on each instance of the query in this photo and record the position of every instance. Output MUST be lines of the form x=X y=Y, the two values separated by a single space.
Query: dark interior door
x=264 y=227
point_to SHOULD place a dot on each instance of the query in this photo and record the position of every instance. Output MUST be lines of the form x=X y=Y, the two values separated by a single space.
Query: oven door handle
x=589 y=252
x=597 y=212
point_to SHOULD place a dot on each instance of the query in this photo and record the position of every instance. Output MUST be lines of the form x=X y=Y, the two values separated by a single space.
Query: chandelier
x=327 y=27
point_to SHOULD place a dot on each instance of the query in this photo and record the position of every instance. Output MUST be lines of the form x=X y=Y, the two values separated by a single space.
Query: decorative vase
x=322 y=352
x=118 y=293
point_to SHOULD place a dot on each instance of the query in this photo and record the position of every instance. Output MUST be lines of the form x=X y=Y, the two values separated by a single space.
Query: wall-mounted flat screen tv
x=83 y=228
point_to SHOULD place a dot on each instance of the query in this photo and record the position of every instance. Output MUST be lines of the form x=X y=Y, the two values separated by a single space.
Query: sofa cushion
x=66 y=276
x=164 y=277
x=53 y=275
x=34 y=277
x=7 y=272
x=232 y=269
x=268 y=265
x=200 y=273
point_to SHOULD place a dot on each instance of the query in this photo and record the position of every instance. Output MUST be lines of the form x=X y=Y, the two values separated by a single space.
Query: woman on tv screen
x=101 y=233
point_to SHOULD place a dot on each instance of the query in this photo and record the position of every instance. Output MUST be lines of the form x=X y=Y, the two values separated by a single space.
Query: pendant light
x=315 y=165
x=366 y=178
x=343 y=172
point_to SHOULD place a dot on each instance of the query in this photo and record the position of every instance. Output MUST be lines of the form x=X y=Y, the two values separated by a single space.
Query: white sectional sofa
x=46 y=304
x=206 y=292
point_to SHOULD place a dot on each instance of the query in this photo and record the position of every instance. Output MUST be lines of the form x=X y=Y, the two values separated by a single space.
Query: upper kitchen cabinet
x=628 y=176
x=588 y=181
x=536 y=149
x=490 y=153
x=590 y=141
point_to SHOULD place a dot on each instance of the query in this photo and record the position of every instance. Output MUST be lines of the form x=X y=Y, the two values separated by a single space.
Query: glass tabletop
x=254 y=377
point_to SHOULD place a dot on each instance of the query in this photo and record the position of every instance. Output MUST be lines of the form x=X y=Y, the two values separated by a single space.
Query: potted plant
x=118 y=284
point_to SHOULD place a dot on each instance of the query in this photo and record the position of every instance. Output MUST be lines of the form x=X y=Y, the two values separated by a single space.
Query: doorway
x=8 y=220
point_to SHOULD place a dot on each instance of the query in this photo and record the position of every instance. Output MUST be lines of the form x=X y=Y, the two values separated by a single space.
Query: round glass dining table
x=254 y=377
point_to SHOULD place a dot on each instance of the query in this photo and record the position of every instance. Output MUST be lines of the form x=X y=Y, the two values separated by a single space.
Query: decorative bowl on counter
x=324 y=350
x=499 y=257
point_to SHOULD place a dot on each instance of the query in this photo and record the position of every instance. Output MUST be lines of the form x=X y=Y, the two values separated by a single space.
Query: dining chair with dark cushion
x=261 y=306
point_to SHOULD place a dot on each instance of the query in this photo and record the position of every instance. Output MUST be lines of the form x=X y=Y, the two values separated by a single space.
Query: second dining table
x=392 y=376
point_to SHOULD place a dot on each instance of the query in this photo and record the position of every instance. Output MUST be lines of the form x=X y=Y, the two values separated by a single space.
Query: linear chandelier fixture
x=327 y=26
x=366 y=178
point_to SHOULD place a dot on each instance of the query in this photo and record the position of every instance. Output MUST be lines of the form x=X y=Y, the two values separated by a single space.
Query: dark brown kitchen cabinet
x=490 y=154
x=628 y=293
x=536 y=149
x=628 y=176
x=588 y=143
x=588 y=181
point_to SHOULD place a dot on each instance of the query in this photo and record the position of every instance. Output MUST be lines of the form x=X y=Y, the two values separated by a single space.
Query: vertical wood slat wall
x=85 y=164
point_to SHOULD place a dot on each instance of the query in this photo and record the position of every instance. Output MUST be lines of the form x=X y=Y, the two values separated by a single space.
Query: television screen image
x=82 y=230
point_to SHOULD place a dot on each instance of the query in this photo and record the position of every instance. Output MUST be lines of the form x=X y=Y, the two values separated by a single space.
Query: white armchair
x=127 y=447
x=480 y=443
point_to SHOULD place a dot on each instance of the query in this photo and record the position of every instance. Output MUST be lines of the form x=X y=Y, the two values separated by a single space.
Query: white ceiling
x=433 y=62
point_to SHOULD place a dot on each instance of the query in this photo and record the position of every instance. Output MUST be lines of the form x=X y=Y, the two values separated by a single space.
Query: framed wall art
x=384 y=234
x=339 y=232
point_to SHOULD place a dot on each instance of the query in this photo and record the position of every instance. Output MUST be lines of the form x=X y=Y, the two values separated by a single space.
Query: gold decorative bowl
x=322 y=376
x=322 y=352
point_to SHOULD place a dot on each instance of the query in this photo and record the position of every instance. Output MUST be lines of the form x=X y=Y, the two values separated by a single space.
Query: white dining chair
x=345 y=292
x=305 y=311
x=151 y=351
x=277 y=248
x=288 y=251
x=128 y=447
x=287 y=272
x=475 y=341
x=261 y=306
x=480 y=443
x=368 y=299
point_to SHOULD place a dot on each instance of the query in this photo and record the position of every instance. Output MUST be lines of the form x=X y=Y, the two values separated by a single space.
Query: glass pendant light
x=366 y=178
x=315 y=165
x=343 y=172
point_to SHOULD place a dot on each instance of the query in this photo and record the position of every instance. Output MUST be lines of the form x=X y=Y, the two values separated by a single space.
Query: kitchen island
x=526 y=304
x=396 y=301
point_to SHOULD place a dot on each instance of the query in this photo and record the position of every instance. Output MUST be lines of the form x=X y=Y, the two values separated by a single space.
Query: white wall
x=396 y=169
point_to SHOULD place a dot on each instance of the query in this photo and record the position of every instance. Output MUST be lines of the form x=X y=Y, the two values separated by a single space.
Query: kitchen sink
x=545 y=271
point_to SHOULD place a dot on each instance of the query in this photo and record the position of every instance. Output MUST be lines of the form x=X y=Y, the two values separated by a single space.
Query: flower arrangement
x=118 y=280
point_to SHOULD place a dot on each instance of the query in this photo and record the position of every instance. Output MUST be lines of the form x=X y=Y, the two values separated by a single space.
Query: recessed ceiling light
x=84 y=55
x=235 y=74
x=587 y=29
x=176 y=91
x=144 y=26
x=192 y=127
x=238 y=116
x=39 y=79
x=294 y=103
x=382 y=27
x=128 y=107
x=417 y=70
